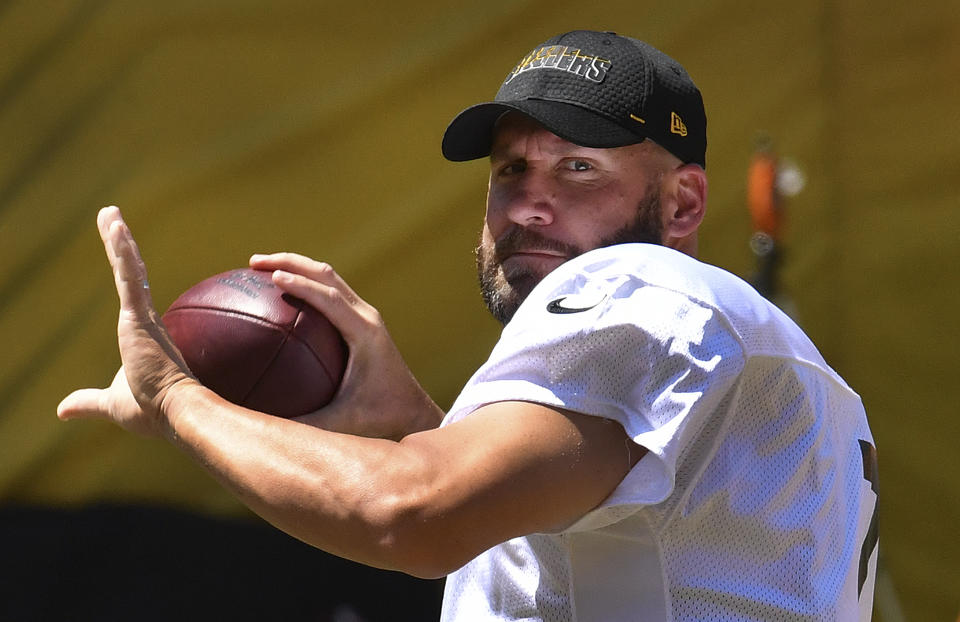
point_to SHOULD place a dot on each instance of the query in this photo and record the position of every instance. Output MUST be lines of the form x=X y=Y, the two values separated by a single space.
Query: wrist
x=180 y=397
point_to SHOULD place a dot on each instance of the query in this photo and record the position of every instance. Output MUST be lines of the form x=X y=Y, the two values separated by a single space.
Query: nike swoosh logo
x=556 y=306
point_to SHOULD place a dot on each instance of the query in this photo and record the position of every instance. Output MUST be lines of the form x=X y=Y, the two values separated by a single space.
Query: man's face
x=550 y=200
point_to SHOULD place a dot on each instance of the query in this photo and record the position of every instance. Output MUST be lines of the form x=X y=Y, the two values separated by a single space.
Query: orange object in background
x=762 y=198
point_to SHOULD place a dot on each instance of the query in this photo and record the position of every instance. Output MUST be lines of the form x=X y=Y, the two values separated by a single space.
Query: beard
x=504 y=293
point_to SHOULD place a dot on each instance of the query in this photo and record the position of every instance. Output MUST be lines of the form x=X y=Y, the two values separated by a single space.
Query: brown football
x=255 y=345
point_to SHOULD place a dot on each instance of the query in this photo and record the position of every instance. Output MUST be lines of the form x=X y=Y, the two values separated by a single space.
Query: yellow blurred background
x=227 y=128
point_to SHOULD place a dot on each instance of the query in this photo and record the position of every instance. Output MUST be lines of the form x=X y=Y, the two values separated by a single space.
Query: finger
x=338 y=303
x=130 y=273
x=296 y=264
x=321 y=287
x=304 y=266
x=292 y=262
x=81 y=404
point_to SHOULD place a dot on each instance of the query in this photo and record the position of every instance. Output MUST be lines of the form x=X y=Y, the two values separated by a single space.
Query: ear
x=686 y=190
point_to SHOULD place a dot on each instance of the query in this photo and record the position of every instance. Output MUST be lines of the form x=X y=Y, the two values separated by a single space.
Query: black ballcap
x=594 y=89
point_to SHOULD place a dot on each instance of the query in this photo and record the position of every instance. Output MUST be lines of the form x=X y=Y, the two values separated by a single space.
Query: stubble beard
x=503 y=294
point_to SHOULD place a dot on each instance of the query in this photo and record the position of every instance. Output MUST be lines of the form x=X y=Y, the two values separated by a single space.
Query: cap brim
x=470 y=135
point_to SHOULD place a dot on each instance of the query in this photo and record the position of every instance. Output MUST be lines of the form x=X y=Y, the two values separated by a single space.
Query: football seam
x=233 y=313
x=287 y=334
x=259 y=320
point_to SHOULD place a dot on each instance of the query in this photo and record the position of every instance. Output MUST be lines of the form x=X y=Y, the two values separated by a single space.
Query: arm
x=424 y=504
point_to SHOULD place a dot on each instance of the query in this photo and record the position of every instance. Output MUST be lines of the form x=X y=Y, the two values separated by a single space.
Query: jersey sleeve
x=609 y=344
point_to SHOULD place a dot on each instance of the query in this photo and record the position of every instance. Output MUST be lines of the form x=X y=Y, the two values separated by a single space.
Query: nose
x=531 y=200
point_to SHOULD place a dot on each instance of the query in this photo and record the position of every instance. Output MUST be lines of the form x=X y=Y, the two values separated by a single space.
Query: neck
x=686 y=244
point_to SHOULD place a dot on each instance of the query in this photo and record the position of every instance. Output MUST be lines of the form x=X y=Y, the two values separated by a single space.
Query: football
x=255 y=345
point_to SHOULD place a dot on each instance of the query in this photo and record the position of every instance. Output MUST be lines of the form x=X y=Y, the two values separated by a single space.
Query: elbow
x=411 y=541
x=425 y=563
x=427 y=570
x=420 y=515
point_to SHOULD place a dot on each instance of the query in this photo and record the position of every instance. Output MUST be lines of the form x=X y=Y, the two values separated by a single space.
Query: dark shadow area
x=138 y=563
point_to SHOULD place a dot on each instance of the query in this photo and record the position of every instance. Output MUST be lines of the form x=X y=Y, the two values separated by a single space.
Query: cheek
x=594 y=216
x=486 y=237
x=494 y=216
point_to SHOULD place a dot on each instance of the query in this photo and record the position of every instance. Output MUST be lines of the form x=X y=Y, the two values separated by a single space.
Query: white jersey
x=756 y=498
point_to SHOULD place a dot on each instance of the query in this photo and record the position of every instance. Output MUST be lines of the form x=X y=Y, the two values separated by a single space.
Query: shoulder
x=655 y=265
x=654 y=286
x=600 y=327
x=613 y=276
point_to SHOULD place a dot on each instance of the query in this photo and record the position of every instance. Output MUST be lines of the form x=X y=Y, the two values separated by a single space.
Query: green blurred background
x=226 y=128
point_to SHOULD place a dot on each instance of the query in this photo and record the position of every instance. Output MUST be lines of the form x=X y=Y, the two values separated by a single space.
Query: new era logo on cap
x=676 y=125
x=595 y=89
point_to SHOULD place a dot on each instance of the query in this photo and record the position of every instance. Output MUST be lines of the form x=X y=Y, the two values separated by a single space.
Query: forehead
x=513 y=128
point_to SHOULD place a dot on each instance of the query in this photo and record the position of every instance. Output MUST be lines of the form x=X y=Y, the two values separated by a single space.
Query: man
x=649 y=440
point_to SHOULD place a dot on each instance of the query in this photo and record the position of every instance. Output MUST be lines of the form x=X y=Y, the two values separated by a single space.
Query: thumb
x=82 y=404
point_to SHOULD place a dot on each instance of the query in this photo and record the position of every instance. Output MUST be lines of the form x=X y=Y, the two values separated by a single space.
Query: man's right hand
x=378 y=397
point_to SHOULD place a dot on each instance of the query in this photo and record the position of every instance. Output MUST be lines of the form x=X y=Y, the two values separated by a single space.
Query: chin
x=503 y=296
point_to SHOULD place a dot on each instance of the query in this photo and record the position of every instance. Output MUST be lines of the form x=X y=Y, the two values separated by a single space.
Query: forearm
x=334 y=491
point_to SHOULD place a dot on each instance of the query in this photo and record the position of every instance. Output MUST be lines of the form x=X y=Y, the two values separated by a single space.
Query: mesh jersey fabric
x=752 y=501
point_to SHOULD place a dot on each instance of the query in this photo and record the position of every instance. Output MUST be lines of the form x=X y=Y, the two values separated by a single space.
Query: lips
x=529 y=251
x=535 y=253
x=532 y=262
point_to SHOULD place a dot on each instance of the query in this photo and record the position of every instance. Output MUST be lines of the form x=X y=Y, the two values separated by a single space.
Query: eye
x=511 y=168
x=578 y=165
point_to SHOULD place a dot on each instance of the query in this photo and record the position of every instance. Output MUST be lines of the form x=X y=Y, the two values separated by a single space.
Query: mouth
x=535 y=253
x=529 y=252
x=532 y=261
